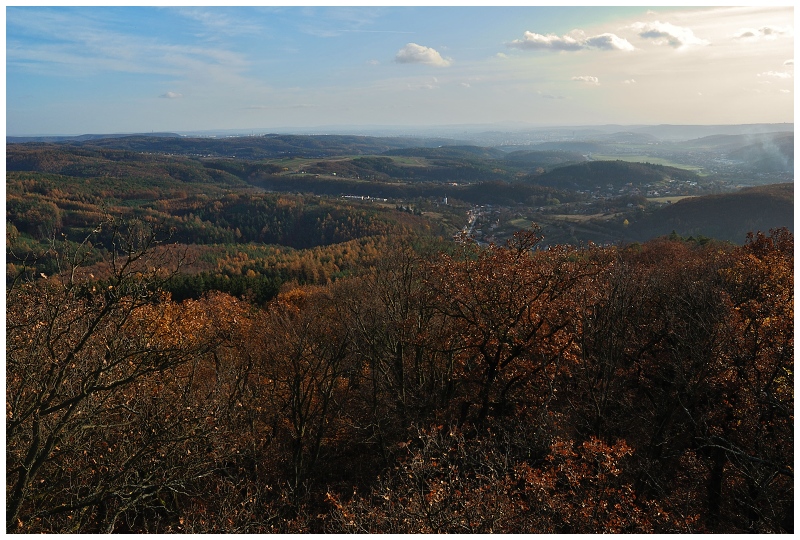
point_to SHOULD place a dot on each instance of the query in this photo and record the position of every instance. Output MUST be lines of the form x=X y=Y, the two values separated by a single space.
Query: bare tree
x=86 y=358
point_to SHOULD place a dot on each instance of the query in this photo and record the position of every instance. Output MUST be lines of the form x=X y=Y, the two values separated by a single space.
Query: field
x=520 y=223
x=648 y=159
x=672 y=199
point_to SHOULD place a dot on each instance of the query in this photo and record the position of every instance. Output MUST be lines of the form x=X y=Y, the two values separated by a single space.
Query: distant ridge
x=482 y=134
x=678 y=132
x=257 y=147
x=87 y=137
x=451 y=152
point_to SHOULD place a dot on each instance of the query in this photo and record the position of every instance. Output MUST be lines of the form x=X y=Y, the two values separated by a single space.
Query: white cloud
x=609 y=42
x=743 y=34
x=466 y=85
x=766 y=32
x=629 y=81
x=418 y=54
x=668 y=34
x=789 y=62
x=171 y=95
x=587 y=79
x=373 y=62
x=770 y=31
x=552 y=42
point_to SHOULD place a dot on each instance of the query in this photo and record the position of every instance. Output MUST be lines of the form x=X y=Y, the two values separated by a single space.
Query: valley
x=608 y=189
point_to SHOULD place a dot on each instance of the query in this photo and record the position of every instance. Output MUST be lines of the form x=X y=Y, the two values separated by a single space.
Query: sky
x=78 y=70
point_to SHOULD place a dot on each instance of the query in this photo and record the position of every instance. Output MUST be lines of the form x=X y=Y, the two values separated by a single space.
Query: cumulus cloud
x=789 y=62
x=609 y=42
x=767 y=32
x=629 y=81
x=418 y=54
x=552 y=42
x=588 y=79
x=171 y=95
x=678 y=37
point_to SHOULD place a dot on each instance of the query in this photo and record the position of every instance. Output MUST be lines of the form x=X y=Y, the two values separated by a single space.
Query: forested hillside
x=497 y=389
x=595 y=174
x=208 y=207
x=260 y=147
x=726 y=216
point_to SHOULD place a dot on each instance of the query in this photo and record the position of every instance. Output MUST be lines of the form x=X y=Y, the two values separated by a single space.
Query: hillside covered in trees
x=499 y=389
x=724 y=216
x=596 y=174
x=260 y=147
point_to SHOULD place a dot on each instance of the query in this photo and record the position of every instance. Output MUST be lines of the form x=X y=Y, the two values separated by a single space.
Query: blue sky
x=75 y=70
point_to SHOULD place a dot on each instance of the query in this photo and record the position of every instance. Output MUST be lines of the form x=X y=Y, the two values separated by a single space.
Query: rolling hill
x=449 y=152
x=266 y=146
x=546 y=159
x=591 y=175
x=727 y=216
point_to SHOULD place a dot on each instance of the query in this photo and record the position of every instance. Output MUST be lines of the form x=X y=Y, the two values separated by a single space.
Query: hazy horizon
x=422 y=131
x=83 y=70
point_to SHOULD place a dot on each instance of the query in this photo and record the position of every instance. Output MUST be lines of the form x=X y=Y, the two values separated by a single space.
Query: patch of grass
x=674 y=198
x=520 y=223
x=649 y=159
x=410 y=161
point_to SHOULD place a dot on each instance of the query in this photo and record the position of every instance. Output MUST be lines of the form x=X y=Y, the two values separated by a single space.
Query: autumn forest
x=195 y=345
